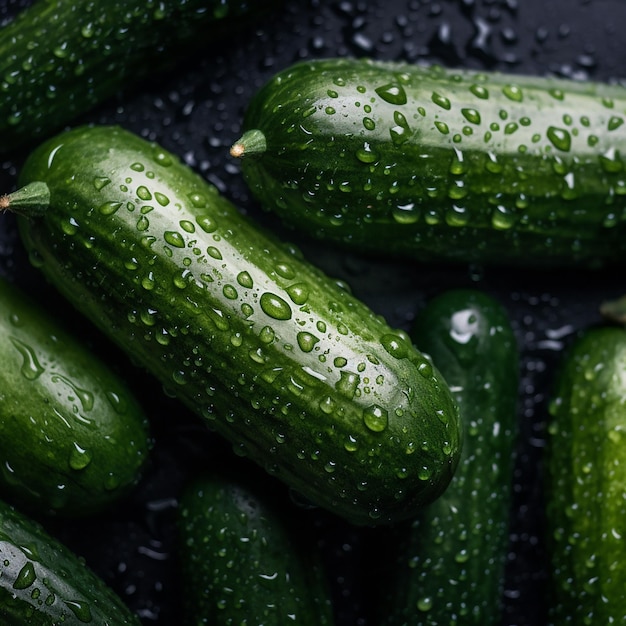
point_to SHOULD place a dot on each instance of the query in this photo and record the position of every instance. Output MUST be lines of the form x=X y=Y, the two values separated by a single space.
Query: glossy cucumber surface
x=448 y=565
x=586 y=481
x=284 y=362
x=60 y=58
x=43 y=583
x=442 y=164
x=245 y=551
x=73 y=438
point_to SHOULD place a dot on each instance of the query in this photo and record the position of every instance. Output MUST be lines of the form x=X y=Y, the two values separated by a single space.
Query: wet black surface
x=196 y=112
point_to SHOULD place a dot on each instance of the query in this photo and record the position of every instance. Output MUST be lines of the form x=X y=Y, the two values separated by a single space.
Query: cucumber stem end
x=30 y=200
x=251 y=142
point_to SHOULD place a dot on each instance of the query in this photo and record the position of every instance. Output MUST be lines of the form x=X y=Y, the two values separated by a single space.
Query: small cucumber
x=447 y=566
x=586 y=481
x=73 y=439
x=59 y=59
x=284 y=362
x=438 y=164
x=43 y=583
x=245 y=553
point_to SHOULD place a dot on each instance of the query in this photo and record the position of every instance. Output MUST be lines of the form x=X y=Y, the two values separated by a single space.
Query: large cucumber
x=440 y=164
x=284 y=362
x=73 y=439
x=43 y=583
x=59 y=59
x=586 y=481
x=447 y=566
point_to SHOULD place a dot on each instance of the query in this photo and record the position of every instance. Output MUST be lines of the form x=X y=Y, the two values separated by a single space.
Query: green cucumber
x=59 y=59
x=44 y=583
x=447 y=566
x=73 y=439
x=282 y=361
x=586 y=481
x=437 y=164
x=245 y=552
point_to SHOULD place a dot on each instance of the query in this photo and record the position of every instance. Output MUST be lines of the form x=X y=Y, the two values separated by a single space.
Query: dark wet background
x=196 y=112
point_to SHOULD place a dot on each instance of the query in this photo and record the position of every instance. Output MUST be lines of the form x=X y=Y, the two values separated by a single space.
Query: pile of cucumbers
x=331 y=412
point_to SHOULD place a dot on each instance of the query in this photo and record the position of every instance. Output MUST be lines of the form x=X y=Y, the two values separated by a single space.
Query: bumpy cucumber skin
x=447 y=567
x=243 y=552
x=285 y=363
x=59 y=59
x=43 y=583
x=442 y=165
x=73 y=439
x=586 y=480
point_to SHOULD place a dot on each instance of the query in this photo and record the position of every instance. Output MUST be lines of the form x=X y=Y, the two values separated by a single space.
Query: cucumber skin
x=43 y=583
x=447 y=566
x=73 y=439
x=372 y=437
x=60 y=59
x=470 y=194
x=585 y=481
x=243 y=552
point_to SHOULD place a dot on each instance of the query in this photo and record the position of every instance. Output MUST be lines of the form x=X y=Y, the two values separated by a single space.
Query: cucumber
x=447 y=566
x=244 y=552
x=441 y=165
x=278 y=358
x=59 y=59
x=44 y=583
x=586 y=481
x=73 y=439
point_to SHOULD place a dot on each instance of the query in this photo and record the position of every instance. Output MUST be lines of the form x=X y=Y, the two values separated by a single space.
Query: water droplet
x=471 y=115
x=229 y=292
x=100 y=182
x=299 y=293
x=275 y=306
x=347 y=384
x=560 y=138
x=479 y=91
x=375 y=418
x=143 y=223
x=174 y=239
x=31 y=369
x=162 y=158
x=245 y=280
x=369 y=123
x=214 y=253
x=284 y=270
x=267 y=335
x=441 y=101
x=350 y=444
x=394 y=345
x=366 y=155
x=442 y=127
x=79 y=457
x=513 y=92
x=206 y=223
x=162 y=199
x=405 y=213
x=393 y=93
x=187 y=226
x=108 y=208
x=143 y=193
x=503 y=218
x=26 y=576
x=81 y=610
x=306 y=341
x=401 y=131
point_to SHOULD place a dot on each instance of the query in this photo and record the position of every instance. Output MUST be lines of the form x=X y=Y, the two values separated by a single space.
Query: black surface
x=196 y=112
